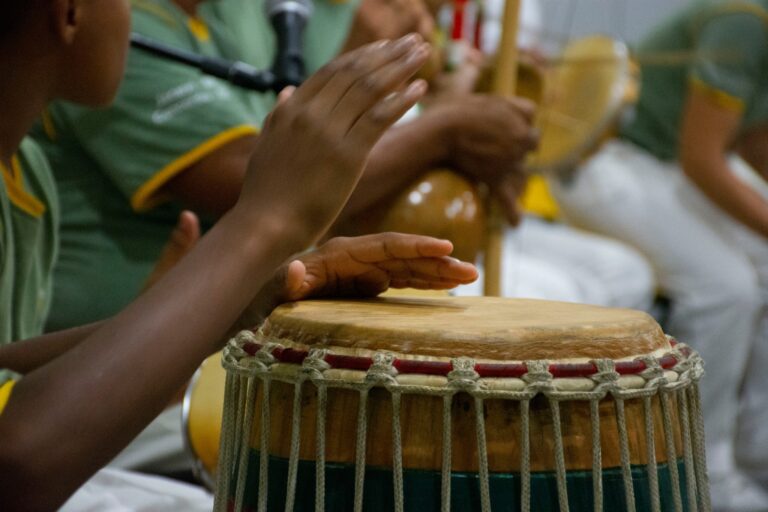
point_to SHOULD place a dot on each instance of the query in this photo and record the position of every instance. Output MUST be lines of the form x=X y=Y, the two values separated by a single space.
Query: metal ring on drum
x=460 y=404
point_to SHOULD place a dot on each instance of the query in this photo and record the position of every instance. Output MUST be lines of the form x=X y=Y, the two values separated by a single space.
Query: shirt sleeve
x=166 y=117
x=731 y=51
x=7 y=380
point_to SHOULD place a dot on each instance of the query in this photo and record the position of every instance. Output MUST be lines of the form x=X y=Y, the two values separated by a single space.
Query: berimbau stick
x=504 y=84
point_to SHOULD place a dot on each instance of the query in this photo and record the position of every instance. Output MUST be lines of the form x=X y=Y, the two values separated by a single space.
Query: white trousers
x=159 y=448
x=714 y=270
x=553 y=261
x=115 y=490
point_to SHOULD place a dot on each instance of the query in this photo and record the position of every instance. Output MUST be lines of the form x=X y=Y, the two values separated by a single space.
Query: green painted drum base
x=422 y=489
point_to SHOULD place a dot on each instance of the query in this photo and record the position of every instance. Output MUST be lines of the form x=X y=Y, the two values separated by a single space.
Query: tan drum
x=463 y=404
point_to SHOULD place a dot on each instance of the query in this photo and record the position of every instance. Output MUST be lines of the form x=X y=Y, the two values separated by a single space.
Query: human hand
x=362 y=266
x=315 y=143
x=183 y=238
x=388 y=19
x=488 y=138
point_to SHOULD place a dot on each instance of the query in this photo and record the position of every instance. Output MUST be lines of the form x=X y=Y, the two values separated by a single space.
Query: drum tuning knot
x=653 y=373
x=606 y=377
x=538 y=377
x=463 y=375
x=314 y=365
x=383 y=370
x=264 y=356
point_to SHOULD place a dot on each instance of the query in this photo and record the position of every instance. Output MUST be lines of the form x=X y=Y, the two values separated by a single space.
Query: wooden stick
x=504 y=84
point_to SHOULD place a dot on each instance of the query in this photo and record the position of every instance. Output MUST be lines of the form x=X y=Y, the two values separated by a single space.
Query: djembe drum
x=460 y=404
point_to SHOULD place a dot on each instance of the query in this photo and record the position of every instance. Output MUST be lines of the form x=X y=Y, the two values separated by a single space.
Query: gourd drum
x=460 y=404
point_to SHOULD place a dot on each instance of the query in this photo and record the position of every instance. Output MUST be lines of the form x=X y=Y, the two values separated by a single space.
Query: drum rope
x=225 y=445
x=235 y=440
x=654 y=377
x=397 y=451
x=698 y=441
x=626 y=470
x=360 y=447
x=293 y=457
x=322 y=407
x=525 y=455
x=314 y=368
x=562 y=488
x=445 y=474
x=242 y=466
x=690 y=479
x=669 y=437
x=597 y=458
x=264 y=446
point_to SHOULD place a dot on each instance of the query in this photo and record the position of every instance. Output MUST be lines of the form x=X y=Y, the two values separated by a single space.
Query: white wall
x=627 y=20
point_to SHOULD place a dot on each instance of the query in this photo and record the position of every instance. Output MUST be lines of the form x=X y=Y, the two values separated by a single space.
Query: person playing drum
x=99 y=384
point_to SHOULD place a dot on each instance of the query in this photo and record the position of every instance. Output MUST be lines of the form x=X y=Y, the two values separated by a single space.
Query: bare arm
x=107 y=388
x=707 y=134
x=212 y=184
x=753 y=147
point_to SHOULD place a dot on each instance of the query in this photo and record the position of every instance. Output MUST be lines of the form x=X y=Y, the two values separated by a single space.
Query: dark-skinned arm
x=707 y=134
x=105 y=390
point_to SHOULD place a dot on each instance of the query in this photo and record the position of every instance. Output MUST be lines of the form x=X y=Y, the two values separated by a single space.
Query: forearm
x=403 y=154
x=28 y=355
x=714 y=177
x=136 y=362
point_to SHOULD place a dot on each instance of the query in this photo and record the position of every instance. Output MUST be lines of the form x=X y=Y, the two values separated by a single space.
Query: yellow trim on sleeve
x=717 y=96
x=199 y=29
x=146 y=197
x=14 y=185
x=5 y=394
x=48 y=126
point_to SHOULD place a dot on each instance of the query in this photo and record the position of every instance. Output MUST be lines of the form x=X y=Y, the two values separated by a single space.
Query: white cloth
x=159 y=448
x=714 y=270
x=116 y=490
x=545 y=260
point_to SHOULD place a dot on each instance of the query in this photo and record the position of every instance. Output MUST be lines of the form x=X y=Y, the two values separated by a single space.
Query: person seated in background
x=100 y=384
x=672 y=186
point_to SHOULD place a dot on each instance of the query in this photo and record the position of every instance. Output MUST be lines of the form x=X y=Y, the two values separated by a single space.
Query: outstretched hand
x=362 y=267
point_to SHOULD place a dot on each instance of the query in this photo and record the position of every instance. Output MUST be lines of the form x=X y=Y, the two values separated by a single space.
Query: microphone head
x=303 y=8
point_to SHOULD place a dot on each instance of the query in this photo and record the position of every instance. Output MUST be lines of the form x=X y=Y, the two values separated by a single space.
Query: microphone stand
x=237 y=73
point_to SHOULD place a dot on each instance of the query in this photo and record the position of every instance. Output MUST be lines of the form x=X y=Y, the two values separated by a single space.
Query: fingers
x=431 y=269
x=386 y=246
x=385 y=74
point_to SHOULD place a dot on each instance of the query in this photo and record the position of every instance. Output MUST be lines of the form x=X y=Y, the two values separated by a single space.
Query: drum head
x=483 y=328
x=584 y=95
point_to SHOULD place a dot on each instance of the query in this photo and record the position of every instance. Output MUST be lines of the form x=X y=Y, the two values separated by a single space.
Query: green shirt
x=110 y=164
x=720 y=47
x=29 y=217
x=245 y=19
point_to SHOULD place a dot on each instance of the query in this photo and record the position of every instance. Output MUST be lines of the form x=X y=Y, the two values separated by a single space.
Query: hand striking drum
x=460 y=404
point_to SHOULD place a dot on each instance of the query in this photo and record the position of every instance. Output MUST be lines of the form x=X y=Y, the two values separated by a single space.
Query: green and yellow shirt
x=720 y=47
x=29 y=219
x=111 y=164
x=7 y=381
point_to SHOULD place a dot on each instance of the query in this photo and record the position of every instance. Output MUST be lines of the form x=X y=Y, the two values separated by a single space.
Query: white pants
x=713 y=269
x=115 y=490
x=552 y=261
x=159 y=448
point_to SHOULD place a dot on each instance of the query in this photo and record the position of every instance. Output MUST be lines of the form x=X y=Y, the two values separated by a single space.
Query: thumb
x=294 y=286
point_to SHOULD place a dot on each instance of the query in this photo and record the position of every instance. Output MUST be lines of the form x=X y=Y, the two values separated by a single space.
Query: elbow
x=28 y=483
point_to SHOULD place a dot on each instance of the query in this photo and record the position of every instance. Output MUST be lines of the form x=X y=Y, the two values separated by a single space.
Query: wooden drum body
x=462 y=404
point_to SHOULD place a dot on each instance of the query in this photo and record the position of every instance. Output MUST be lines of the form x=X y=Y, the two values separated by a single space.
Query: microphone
x=236 y=73
x=289 y=19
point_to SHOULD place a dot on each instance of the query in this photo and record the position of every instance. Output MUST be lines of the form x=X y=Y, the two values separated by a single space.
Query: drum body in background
x=460 y=404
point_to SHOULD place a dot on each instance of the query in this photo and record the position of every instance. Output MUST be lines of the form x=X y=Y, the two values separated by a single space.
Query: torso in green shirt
x=719 y=45
x=29 y=217
x=111 y=163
